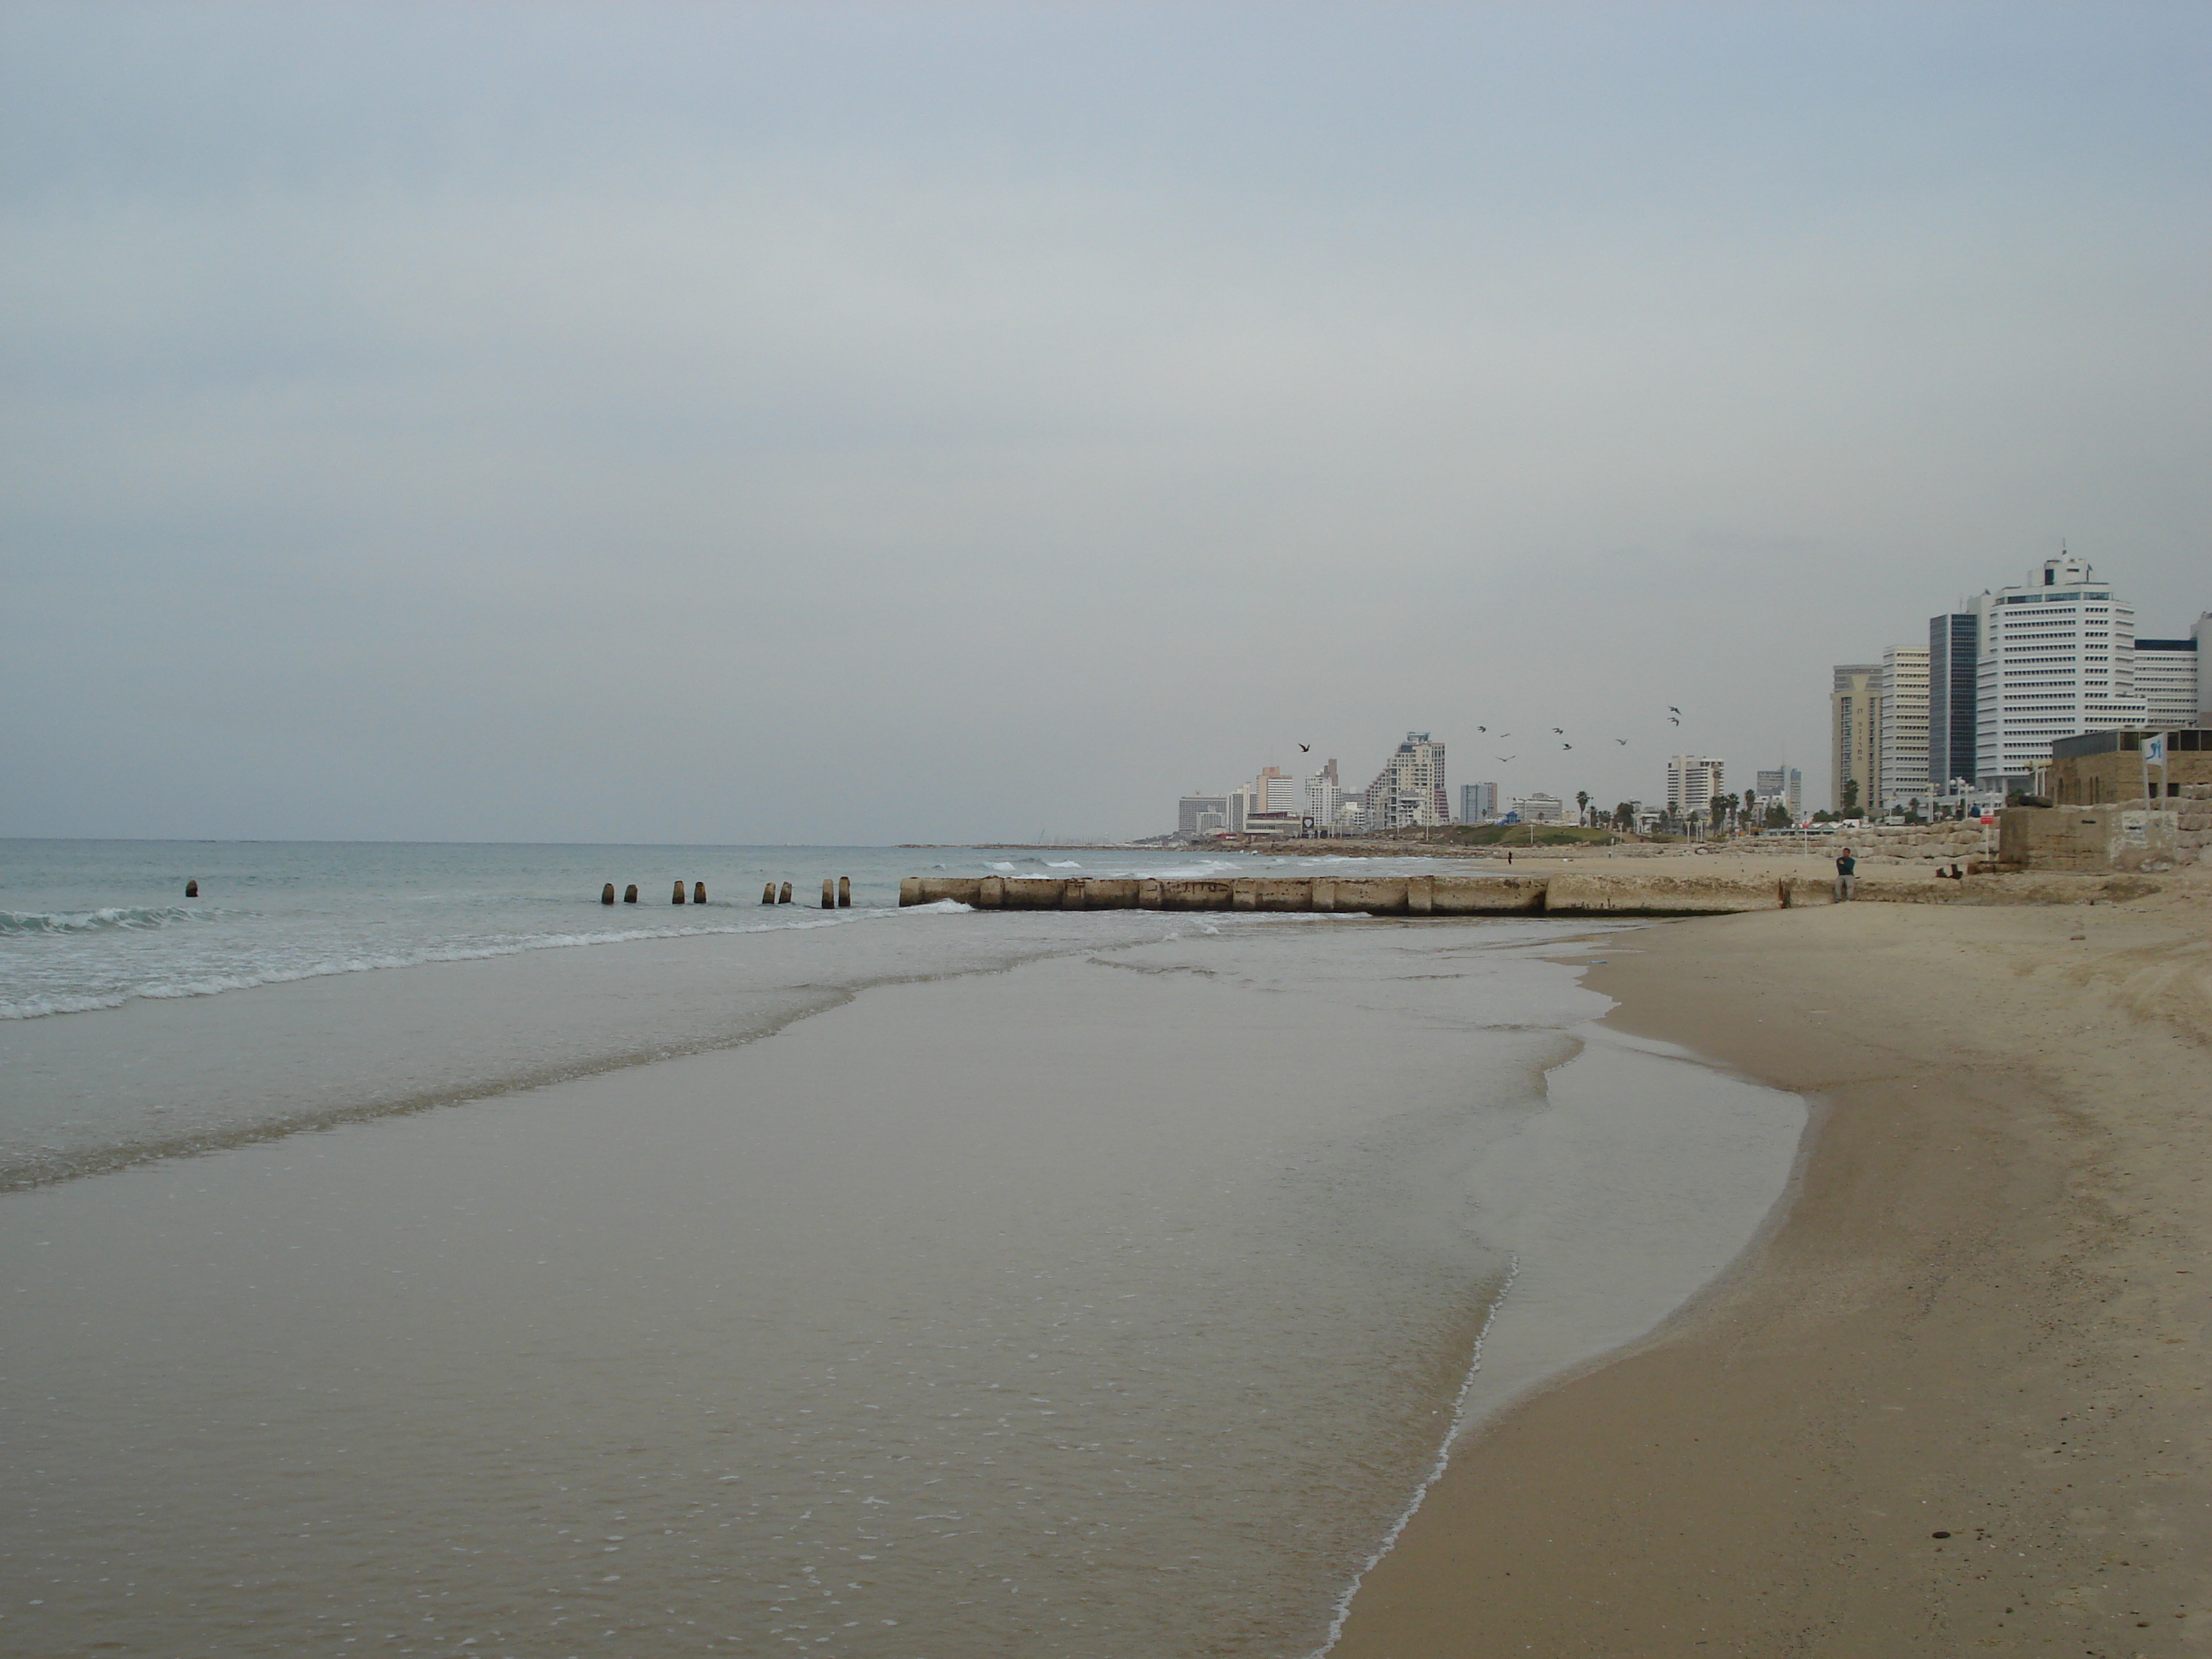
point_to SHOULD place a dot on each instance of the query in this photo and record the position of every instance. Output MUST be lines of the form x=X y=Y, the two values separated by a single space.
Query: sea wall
x=1561 y=893
x=1567 y=894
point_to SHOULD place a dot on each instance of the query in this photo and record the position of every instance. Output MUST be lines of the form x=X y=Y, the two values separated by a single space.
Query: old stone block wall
x=2137 y=835
x=1929 y=844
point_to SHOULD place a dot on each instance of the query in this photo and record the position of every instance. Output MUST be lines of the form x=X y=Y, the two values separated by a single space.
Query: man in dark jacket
x=1847 y=877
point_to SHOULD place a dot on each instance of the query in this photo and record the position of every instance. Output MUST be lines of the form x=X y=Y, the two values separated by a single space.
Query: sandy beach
x=1955 y=1399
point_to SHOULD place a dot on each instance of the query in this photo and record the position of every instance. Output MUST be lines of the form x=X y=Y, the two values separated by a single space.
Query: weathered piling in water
x=629 y=894
x=828 y=893
x=607 y=894
x=844 y=892
x=1568 y=893
x=783 y=894
x=698 y=892
x=192 y=889
x=678 y=896
x=767 y=893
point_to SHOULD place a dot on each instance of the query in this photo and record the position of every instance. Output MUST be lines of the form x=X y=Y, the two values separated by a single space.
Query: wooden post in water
x=629 y=894
x=844 y=892
x=192 y=889
x=768 y=894
x=783 y=894
x=698 y=892
x=607 y=894
x=828 y=894
x=678 y=899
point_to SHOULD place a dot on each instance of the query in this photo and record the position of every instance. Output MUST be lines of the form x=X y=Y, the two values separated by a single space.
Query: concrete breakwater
x=1560 y=894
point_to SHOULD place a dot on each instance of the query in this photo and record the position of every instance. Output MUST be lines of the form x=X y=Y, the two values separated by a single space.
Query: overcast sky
x=852 y=424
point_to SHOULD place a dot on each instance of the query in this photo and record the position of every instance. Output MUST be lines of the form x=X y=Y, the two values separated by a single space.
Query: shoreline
x=1975 y=1314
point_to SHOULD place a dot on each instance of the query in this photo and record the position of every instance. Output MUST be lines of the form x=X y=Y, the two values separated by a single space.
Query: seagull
x=1623 y=742
x=1566 y=745
x=1305 y=749
x=1672 y=709
x=1505 y=757
x=1558 y=731
x=1482 y=728
x=1671 y=720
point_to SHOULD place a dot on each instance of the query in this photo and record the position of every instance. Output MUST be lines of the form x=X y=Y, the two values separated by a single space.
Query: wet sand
x=1955 y=1400
x=1114 y=1304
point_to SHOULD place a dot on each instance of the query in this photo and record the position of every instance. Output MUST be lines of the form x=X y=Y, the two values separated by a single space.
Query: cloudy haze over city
x=852 y=424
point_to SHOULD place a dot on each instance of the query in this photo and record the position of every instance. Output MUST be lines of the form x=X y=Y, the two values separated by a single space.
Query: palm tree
x=1582 y=800
x=1720 y=805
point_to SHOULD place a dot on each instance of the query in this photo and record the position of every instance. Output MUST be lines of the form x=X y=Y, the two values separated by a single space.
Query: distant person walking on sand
x=1847 y=877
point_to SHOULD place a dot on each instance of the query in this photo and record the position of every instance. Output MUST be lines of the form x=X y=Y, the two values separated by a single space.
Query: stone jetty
x=1566 y=893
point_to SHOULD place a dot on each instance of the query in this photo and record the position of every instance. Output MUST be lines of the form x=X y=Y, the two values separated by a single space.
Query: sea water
x=922 y=1283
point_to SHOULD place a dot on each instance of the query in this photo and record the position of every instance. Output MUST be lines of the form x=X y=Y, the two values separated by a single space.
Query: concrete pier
x=783 y=894
x=1570 y=893
x=828 y=893
x=768 y=894
x=844 y=892
x=607 y=894
x=629 y=894
x=678 y=899
x=698 y=892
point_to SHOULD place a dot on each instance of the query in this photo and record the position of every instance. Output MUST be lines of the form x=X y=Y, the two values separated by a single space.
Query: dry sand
x=1955 y=1400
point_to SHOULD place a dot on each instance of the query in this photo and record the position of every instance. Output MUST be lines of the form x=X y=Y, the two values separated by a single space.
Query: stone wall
x=1884 y=844
x=2124 y=835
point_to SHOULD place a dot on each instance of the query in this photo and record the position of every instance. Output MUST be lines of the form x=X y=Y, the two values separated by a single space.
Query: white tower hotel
x=1692 y=780
x=2058 y=658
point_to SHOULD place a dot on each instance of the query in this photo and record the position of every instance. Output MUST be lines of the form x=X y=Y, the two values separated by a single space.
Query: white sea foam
x=101 y=920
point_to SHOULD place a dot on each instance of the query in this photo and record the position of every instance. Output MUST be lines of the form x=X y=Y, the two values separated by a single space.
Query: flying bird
x=1558 y=731
x=1482 y=728
x=1671 y=720
x=1505 y=757
x=1672 y=709
x=1305 y=749
x=1623 y=742
x=1566 y=745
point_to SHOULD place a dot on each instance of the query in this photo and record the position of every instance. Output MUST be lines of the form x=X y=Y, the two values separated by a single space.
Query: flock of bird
x=1674 y=718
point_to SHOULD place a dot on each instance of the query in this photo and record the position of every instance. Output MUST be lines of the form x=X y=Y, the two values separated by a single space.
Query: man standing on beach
x=1847 y=877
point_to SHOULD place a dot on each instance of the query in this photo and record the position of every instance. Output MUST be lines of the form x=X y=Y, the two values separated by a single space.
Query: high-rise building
x=1901 y=762
x=1322 y=795
x=1785 y=787
x=2169 y=679
x=1855 y=737
x=1692 y=780
x=1477 y=803
x=1408 y=793
x=1274 y=791
x=1952 y=676
x=2055 y=658
x=1191 y=808
x=1540 y=808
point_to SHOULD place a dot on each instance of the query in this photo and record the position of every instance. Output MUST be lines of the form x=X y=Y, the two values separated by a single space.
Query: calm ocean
x=408 y=1254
